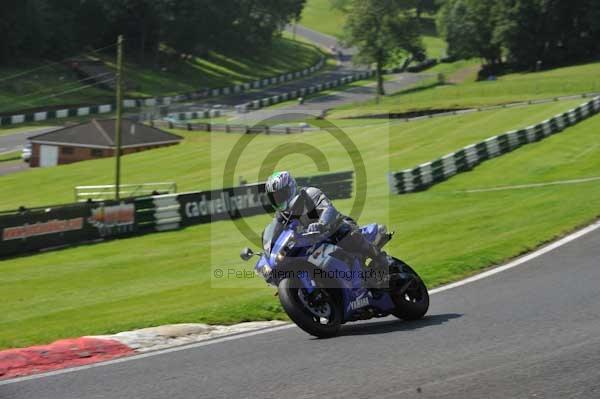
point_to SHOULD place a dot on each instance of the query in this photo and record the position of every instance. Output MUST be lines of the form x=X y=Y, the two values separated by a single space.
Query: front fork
x=306 y=282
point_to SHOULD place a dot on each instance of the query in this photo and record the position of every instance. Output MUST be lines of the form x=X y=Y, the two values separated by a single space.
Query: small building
x=95 y=139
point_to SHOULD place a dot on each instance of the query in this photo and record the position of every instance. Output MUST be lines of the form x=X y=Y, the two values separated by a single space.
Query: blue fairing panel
x=262 y=261
x=369 y=231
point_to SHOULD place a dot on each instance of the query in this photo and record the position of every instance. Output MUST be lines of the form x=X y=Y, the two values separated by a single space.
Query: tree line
x=54 y=29
x=523 y=34
x=527 y=34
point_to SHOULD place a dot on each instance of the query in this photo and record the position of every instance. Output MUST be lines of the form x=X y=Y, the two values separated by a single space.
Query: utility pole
x=119 y=115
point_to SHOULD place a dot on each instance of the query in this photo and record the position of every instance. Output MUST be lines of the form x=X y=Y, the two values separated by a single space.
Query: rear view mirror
x=246 y=254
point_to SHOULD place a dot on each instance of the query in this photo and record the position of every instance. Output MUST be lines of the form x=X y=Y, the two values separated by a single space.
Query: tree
x=55 y=29
x=430 y=6
x=554 y=32
x=23 y=29
x=380 y=30
x=469 y=28
x=139 y=20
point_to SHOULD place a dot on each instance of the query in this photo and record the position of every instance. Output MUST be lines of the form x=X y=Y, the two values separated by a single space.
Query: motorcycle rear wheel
x=323 y=321
x=414 y=302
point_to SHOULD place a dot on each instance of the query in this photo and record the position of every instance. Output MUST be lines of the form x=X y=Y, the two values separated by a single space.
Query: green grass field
x=220 y=70
x=318 y=15
x=49 y=86
x=10 y=156
x=166 y=277
x=192 y=164
x=58 y=85
x=510 y=88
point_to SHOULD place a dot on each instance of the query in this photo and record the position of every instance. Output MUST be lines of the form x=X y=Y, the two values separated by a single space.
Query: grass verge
x=445 y=233
x=510 y=88
x=58 y=85
x=192 y=168
x=10 y=156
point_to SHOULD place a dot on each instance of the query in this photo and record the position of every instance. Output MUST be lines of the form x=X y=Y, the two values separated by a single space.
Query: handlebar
x=313 y=237
x=310 y=233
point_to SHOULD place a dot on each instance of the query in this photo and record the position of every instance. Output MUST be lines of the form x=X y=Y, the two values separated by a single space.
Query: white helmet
x=281 y=188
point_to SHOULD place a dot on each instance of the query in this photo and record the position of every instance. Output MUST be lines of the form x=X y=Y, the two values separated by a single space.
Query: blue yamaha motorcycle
x=321 y=286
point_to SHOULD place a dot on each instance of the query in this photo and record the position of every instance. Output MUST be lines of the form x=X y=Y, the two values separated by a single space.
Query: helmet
x=281 y=188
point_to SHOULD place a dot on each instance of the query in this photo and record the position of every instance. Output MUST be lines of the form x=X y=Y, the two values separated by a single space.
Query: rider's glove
x=316 y=228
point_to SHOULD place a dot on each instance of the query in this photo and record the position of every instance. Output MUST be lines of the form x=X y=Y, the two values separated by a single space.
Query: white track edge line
x=557 y=244
x=526 y=258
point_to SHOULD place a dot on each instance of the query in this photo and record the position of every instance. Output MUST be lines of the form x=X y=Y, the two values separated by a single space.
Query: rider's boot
x=379 y=267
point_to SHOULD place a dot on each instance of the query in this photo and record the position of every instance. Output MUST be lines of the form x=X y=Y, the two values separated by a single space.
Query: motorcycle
x=321 y=286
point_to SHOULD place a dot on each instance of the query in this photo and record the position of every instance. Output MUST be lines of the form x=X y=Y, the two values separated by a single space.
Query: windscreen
x=270 y=234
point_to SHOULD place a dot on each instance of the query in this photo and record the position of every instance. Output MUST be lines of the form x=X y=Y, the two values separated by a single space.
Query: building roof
x=101 y=134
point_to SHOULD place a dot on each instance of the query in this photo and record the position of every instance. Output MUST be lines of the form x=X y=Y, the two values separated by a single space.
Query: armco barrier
x=7 y=120
x=431 y=173
x=29 y=230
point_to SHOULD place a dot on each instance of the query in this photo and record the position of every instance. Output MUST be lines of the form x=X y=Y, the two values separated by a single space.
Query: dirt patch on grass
x=465 y=74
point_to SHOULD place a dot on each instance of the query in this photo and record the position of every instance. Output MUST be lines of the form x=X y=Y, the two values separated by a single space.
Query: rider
x=317 y=214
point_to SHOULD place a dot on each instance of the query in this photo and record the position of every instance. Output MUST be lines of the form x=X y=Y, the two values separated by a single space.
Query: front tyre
x=412 y=301
x=320 y=318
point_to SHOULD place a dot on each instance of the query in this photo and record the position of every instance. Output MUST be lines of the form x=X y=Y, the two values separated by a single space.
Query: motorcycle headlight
x=285 y=248
x=280 y=256
x=266 y=270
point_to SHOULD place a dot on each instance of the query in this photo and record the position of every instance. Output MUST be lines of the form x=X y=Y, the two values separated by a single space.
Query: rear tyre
x=322 y=319
x=413 y=302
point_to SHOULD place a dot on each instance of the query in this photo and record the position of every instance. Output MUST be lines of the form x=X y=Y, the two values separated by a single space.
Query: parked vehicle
x=26 y=153
x=171 y=119
x=301 y=266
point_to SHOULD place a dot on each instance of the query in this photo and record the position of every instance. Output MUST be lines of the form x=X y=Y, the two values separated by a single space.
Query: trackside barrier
x=43 y=228
x=231 y=128
x=430 y=173
x=202 y=114
x=28 y=230
x=248 y=200
x=106 y=192
x=6 y=120
x=293 y=94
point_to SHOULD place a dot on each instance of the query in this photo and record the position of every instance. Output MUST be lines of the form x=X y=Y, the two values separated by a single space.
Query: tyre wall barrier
x=44 y=228
x=430 y=173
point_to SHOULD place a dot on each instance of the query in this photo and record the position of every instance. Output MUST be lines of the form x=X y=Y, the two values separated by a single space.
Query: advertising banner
x=251 y=199
x=28 y=230
x=42 y=228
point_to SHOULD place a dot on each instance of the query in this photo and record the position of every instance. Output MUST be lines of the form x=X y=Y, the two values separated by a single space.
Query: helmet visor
x=280 y=198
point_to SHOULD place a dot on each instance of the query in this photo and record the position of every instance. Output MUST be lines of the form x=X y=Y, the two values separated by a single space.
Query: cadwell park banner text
x=27 y=230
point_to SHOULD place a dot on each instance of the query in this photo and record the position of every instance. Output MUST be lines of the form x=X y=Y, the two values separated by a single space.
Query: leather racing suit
x=311 y=206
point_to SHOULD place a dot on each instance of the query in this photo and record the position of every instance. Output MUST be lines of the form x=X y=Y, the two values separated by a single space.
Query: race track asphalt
x=529 y=332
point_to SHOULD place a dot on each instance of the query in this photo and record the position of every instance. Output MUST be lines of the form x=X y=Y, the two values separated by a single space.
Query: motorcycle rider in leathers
x=317 y=214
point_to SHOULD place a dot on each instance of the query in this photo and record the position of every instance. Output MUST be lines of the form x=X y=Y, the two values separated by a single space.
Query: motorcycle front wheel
x=321 y=318
x=413 y=302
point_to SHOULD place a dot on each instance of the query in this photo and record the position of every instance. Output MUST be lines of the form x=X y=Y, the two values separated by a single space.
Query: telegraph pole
x=119 y=115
